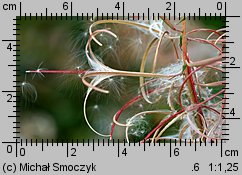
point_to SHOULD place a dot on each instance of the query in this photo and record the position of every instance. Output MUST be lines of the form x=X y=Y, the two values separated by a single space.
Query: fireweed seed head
x=185 y=130
x=190 y=119
x=115 y=86
x=172 y=69
x=154 y=97
x=76 y=46
x=107 y=40
x=108 y=55
x=98 y=117
x=197 y=133
x=77 y=58
x=212 y=116
x=201 y=75
x=205 y=92
x=160 y=86
x=77 y=41
x=213 y=75
x=215 y=130
x=138 y=127
x=71 y=84
x=95 y=81
x=95 y=62
x=185 y=99
x=156 y=26
x=172 y=33
x=79 y=35
x=131 y=49
x=28 y=92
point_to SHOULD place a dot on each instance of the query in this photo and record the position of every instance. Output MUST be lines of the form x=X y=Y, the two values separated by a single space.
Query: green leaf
x=184 y=67
x=180 y=44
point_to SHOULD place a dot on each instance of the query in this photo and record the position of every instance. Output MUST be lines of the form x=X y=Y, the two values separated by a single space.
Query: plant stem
x=188 y=70
x=57 y=71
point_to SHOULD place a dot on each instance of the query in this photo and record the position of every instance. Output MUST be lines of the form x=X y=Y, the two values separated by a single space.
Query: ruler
x=99 y=156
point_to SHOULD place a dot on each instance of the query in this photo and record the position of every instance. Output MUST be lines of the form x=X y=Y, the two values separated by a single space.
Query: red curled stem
x=129 y=103
x=57 y=71
x=162 y=123
x=183 y=84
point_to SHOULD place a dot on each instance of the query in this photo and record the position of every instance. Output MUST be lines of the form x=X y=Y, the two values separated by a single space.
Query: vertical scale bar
x=16 y=62
x=225 y=14
x=16 y=84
